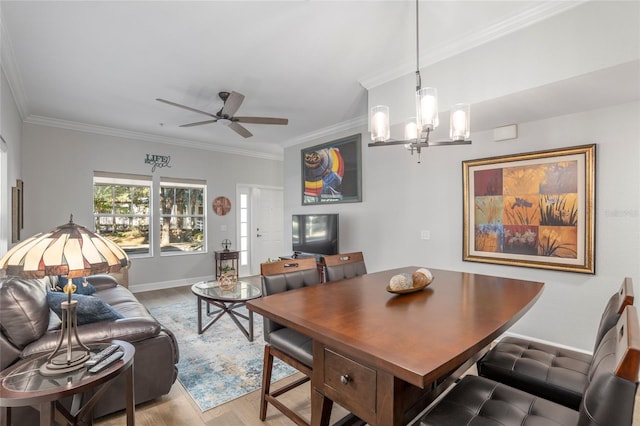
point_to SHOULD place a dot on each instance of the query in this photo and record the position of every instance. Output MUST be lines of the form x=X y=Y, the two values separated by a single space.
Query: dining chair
x=609 y=394
x=288 y=345
x=345 y=265
x=555 y=373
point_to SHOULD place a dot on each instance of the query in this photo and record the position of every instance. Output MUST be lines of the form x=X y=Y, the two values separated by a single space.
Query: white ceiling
x=100 y=66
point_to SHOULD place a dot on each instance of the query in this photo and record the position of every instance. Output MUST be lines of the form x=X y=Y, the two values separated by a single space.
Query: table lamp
x=71 y=251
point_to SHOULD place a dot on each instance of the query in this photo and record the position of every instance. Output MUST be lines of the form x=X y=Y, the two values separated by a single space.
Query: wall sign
x=157 y=161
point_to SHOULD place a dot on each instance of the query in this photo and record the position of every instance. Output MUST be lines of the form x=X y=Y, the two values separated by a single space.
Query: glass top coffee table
x=227 y=300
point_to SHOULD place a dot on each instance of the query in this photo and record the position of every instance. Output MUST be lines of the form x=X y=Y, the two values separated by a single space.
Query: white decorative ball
x=426 y=272
x=400 y=282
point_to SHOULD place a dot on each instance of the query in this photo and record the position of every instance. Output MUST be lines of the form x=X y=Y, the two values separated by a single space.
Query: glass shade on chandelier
x=427 y=109
x=379 y=119
x=460 y=118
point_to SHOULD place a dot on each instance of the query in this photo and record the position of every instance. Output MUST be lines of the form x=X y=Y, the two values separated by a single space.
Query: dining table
x=383 y=356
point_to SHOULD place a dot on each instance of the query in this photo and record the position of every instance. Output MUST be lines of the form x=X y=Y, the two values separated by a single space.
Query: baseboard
x=162 y=285
x=545 y=342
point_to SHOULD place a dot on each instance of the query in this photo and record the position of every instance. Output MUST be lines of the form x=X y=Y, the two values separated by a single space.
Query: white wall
x=58 y=166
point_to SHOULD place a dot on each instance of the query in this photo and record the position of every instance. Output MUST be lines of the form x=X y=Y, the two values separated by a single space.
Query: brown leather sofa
x=29 y=327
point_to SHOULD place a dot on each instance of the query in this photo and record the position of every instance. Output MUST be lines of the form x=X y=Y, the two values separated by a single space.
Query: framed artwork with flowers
x=331 y=172
x=535 y=209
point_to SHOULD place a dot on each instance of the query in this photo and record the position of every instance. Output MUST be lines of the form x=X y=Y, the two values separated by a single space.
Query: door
x=260 y=225
x=268 y=226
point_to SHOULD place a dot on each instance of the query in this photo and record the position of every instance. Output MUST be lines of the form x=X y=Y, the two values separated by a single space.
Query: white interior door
x=260 y=226
x=268 y=221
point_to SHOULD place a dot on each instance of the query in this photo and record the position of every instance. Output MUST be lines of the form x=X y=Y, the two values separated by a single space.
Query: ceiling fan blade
x=261 y=120
x=232 y=104
x=199 y=123
x=186 y=107
x=240 y=130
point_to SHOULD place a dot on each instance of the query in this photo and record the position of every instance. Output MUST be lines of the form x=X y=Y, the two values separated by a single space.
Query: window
x=244 y=229
x=182 y=215
x=121 y=210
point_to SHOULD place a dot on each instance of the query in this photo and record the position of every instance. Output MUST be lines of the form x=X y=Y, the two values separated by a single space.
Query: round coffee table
x=228 y=301
x=22 y=384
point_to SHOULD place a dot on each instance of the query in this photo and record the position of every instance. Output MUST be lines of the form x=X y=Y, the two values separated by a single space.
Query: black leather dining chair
x=609 y=394
x=345 y=265
x=551 y=372
x=288 y=345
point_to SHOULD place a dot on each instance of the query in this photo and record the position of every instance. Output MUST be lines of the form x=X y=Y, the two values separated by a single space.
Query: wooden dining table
x=382 y=355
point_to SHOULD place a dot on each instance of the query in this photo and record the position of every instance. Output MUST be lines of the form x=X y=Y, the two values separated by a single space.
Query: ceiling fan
x=232 y=101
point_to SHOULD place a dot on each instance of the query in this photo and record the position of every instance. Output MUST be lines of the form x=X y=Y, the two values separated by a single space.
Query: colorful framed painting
x=535 y=209
x=331 y=172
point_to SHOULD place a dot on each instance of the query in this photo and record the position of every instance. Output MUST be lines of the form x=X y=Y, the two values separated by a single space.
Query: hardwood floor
x=178 y=409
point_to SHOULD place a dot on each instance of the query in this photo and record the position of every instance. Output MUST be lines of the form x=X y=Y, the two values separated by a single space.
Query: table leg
x=5 y=416
x=131 y=399
x=47 y=413
x=250 y=326
x=199 y=302
x=320 y=409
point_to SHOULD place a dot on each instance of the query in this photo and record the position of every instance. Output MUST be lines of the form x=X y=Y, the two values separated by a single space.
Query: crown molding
x=471 y=40
x=127 y=134
x=328 y=131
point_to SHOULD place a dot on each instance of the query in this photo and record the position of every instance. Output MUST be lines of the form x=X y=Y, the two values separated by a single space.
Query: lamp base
x=59 y=364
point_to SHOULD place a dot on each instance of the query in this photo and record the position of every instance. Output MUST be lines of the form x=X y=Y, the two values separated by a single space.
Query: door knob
x=259 y=235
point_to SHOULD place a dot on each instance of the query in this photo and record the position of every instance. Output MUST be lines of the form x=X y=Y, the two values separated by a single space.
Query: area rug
x=221 y=364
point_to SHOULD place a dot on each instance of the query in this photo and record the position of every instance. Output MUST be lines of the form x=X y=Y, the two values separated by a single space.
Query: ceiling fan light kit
x=417 y=129
x=231 y=104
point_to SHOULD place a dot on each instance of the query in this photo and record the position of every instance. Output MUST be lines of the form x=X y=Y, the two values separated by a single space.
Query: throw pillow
x=82 y=286
x=90 y=309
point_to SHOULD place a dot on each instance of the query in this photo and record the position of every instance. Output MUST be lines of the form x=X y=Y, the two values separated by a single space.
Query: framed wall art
x=221 y=206
x=534 y=210
x=331 y=172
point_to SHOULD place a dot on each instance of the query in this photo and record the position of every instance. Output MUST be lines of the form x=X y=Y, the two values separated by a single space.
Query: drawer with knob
x=349 y=381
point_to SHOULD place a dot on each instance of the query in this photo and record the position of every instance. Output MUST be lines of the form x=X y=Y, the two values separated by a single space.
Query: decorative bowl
x=409 y=290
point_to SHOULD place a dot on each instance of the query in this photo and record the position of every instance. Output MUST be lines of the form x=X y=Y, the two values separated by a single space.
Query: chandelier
x=417 y=129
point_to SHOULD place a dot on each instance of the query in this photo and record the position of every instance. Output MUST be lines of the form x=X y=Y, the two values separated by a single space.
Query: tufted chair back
x=345 y=265
x=286 y=275
x=610 y=393
x=614 y=308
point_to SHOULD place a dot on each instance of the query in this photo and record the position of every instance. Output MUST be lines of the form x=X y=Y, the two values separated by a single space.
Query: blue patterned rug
x=220 y=364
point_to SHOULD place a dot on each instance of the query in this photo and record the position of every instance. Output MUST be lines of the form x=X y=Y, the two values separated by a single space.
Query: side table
x=23 y=385
x=226 y=255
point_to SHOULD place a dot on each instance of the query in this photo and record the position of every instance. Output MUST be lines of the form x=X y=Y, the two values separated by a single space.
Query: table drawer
x=227 y=256
x=354 y=382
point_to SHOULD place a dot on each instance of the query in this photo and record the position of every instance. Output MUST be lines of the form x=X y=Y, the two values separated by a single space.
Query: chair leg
x=267 y=366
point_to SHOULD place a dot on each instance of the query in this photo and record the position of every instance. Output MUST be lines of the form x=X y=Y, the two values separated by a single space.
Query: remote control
x=106 y=362
x=96 y=358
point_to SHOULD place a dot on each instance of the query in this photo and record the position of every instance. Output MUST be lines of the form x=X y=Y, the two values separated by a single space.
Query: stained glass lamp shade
x=72 y=251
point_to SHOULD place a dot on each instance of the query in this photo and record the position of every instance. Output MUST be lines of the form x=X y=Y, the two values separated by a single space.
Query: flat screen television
x=314 y=233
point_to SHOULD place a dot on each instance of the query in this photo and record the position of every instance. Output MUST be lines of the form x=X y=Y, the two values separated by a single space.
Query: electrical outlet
x=425 y=235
